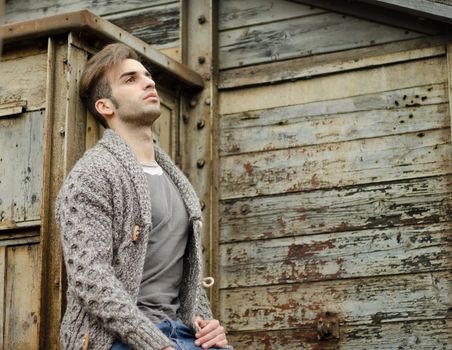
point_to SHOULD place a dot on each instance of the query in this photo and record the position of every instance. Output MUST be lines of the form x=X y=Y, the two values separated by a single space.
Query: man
x=130 y=224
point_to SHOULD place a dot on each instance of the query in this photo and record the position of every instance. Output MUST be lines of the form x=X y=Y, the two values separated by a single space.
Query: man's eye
x=130 y=79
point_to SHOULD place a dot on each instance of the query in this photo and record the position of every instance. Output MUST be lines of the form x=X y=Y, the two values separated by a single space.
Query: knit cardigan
x=104 y=215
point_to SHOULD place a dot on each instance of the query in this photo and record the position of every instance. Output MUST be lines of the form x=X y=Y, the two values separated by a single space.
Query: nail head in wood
x=201 y=123
x=202 y=19
x=200 y=163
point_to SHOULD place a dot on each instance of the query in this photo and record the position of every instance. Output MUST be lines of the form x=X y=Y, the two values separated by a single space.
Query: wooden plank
x=335 y=86
x=2 y=295
x=311 y=66
x=359 y=117
x=238 y=13
x=378 y=14
x=20 y=241
x=22 y=297
x=156 y=25
x=339 y=255
x=349 y=163
x=21 y=157
x=449 y=81
x=54 y=160
x=94 y=130
x=376 y=300
x=23 y=10
x=418 y=201
x=8 y=238
x=425 y=8
x=165 y=127
x=294 y=38
x=418 y=335
x=13 y=108
x=75 y=114
x=23 y=79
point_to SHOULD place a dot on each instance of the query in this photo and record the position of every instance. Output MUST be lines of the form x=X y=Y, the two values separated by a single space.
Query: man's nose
x=149 y=82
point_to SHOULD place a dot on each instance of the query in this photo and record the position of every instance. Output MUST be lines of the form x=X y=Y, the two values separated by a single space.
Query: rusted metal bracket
x=328 y=326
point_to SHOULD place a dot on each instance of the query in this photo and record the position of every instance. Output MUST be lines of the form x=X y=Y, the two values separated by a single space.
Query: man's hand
x=210 y=334
x=169 y=348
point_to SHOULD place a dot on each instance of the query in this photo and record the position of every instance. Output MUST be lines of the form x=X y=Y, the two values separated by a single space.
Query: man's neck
x=141 y=142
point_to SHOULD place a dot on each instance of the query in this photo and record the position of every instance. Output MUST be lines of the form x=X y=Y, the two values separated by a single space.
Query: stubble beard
x=143 y=119
x=140 y=118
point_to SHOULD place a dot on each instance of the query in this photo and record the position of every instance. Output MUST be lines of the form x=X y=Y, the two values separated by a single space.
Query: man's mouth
x=151 y=95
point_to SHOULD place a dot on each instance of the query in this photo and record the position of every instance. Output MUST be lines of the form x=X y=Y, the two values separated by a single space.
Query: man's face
x=133 y=92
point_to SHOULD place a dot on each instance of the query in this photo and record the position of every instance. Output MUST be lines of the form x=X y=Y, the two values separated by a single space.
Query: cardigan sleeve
x=84 y=215
x=204 y=310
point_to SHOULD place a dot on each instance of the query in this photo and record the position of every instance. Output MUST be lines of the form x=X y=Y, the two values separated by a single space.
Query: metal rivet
x=200 y=163
x=193 y=103
x=185 y=118
x=200 y=124
x=202 y=19
x=245 y=209
x=203 y=205
x=62 y=132
x=201 y=59
x=207 y=101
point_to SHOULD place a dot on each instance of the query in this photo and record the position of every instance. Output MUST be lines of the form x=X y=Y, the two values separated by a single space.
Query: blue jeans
x=179 y=333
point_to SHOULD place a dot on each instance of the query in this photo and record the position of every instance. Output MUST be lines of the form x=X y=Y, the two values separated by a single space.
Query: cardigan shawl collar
x=116 y=145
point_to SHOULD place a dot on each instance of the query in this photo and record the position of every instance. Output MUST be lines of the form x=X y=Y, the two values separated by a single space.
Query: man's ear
x=105 y=107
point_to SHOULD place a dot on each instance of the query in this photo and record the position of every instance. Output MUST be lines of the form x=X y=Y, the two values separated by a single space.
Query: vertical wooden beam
x=449 y=81
x=65 y=126
x=199 y=113
x=2 y=295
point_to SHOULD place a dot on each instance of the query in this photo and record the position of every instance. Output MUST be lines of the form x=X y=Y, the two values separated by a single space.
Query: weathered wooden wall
x=335 y=172
x=22 y=102
x=154 y=21
x=335 y=189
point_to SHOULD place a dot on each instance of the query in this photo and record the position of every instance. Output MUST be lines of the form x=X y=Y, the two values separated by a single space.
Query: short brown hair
x=94 y=84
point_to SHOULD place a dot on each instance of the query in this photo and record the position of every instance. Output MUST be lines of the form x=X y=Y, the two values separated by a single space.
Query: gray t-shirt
x=162 y=274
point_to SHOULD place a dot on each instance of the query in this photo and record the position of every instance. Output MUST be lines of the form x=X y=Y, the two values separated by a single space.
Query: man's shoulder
x=96 y=158
x=97 y=165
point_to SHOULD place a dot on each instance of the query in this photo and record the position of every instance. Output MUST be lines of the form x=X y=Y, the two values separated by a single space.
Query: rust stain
x=268 y=234
x=303 y=250
x=248 y=168
x=314 y=181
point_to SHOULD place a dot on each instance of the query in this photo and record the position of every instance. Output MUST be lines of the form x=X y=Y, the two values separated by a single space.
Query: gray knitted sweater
x=104 y=215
